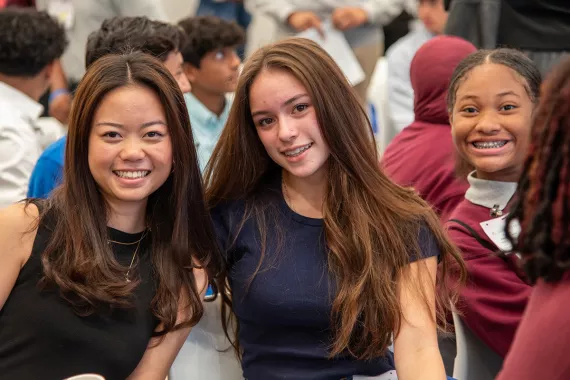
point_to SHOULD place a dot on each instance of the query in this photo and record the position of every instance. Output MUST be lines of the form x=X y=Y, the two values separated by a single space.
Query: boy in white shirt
x=30 y=43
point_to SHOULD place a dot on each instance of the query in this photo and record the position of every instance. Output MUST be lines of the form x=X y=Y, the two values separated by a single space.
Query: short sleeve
x=47 y=175
x=427 y=243
x=220 y=228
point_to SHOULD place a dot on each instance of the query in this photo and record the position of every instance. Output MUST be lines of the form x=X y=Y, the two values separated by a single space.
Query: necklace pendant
x=127 y=279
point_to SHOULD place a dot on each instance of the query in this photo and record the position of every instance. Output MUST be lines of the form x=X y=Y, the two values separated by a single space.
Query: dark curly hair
x=208 y=33
x=543 y=208
x=29 y=41
x=122 y=35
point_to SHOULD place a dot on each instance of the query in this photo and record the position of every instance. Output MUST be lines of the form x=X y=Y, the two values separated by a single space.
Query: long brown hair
x=542 y=207
x=371 y=224
x=78 y=259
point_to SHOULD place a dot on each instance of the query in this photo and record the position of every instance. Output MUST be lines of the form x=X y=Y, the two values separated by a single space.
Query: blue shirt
x=206 y=127
x=48 y=172
x=285 y=314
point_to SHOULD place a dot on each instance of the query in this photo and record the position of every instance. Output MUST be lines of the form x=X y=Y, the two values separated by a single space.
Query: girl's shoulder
x=18 y=229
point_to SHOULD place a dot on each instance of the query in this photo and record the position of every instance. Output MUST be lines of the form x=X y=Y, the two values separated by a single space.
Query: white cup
x=86 y=376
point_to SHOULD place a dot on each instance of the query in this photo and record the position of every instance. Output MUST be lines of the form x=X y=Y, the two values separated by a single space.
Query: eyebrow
x=121 y=126
x=499 y=95
x=286 y=103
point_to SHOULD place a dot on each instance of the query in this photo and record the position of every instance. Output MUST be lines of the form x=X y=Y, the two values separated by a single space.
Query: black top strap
x=475 y=235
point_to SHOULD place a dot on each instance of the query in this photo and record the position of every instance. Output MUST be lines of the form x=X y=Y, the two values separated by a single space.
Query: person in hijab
x=422 y=155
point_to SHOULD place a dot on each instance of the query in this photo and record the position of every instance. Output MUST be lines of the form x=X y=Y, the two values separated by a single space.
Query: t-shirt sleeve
x=46 y=176
x=427 y=244
x=220 y=228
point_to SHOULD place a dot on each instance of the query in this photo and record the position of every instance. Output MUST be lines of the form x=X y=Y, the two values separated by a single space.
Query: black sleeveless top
x=41 y=337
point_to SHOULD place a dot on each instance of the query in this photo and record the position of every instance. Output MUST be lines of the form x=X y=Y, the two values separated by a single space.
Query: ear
x=47 y=71
x=190 y=71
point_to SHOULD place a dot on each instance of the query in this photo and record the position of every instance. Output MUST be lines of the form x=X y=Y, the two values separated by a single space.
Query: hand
x=349 y=17
x=301 y=21
x=60 y=107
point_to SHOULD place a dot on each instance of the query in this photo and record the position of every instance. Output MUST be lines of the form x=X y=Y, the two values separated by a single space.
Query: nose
x=132 y=150
x=235 y=60
x=489 y=123
x=184 y=83
x=288 y=130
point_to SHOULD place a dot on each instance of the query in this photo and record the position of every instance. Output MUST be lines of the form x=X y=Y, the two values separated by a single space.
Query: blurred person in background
x=539 y=28
x=80 y=18
x=432 y=19
x=211 y=65
x=116 y=35
x=30 y=43
x=361 y=21
x=230 y=10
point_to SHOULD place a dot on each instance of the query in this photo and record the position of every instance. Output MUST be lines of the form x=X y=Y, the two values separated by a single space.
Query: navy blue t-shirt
x=285 y=313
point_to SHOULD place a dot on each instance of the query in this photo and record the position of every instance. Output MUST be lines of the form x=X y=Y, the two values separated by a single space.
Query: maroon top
x=422 y=155
x=540 y=348
x=495 y=296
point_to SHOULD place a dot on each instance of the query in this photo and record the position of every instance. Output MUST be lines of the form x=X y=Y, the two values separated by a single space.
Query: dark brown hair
x=208 y=33
x=122 y=35
x=78 y=259
x=371 y=224
x=542 y=208
x=31 y=40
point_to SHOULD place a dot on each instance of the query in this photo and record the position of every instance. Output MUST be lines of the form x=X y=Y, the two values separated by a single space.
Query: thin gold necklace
x=132 y=261
x=138 y=243
x=132 y=243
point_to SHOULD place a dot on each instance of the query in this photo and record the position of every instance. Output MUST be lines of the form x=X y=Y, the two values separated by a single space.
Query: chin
x=302 y=172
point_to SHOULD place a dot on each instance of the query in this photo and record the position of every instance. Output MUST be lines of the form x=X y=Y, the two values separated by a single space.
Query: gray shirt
x=87 y=17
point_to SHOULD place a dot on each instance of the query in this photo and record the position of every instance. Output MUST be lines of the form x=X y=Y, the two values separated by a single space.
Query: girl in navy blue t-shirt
x=327 y=258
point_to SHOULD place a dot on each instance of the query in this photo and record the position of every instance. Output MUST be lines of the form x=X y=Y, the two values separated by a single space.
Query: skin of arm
x=16 y=241
x=416 y=350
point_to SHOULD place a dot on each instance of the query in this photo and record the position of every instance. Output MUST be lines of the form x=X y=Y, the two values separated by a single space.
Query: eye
x=300 y=107
x=264 y=122
x=508 y=107
x=112 y=135
x=154 y=134
x=469 y=110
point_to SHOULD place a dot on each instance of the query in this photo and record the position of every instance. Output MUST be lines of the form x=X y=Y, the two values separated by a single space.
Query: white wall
x=179 y=9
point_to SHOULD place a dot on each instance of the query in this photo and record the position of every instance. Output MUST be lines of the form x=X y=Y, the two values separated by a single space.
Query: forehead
x=274 y=86
x=173 y=61
x=490 y=79
x=129 y=102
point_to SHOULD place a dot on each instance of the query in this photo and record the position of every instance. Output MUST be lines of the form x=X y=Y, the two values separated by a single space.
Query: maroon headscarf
x=430 y=72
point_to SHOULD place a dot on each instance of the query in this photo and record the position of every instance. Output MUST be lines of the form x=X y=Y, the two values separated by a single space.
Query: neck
x=506 y=175
x=32 y=87
x=214 y=102
x=128 y=217
x=306 y=195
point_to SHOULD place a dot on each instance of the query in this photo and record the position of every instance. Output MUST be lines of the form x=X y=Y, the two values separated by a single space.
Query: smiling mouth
x=490 y=144
x=131 y=174
x=298 y=151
